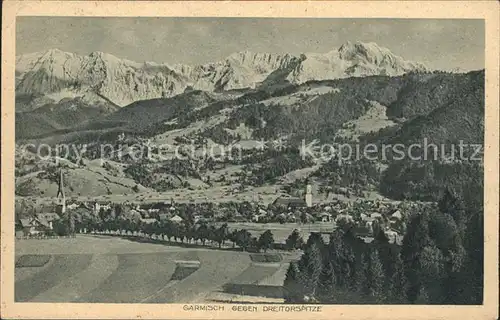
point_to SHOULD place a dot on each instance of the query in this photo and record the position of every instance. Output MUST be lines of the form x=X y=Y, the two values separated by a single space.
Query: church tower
x=309 y=196
x=61 y=205
x=61 y=198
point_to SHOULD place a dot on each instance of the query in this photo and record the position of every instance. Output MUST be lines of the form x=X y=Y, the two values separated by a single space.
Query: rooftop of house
x=25 y=222
x=176 y=218
x=344 y=217
x=290 y=202
x=148 y=220
x=396 y=214
x=33 y=222
x=49 y=216
x=163 y=216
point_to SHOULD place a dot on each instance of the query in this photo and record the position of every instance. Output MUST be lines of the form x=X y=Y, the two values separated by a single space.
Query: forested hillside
x=439 y=262
x=441 y=108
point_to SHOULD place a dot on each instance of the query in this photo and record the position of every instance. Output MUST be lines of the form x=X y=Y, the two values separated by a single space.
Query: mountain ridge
x=124 y=81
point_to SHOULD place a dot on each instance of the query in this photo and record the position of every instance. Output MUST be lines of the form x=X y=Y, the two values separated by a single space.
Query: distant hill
x=67 y=113
x=422 y=94
x=448 y=110
x=141 y=114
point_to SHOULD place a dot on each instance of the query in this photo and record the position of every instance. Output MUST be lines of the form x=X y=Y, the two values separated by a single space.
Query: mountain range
x=102 y=77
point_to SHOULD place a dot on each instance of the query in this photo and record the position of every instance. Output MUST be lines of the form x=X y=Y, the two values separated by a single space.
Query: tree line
x=184 y=232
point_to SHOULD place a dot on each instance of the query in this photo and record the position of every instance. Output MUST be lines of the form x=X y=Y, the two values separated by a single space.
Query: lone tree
x=294 y=240
x=221 y=234
x=60 y=228
x=310 y=265
x=415 y=240
x=397 y=285
x=233 y=236
x=202 y=233
x=243 y=239
x=327 y=282
x=374 y=277
x=168 y=229
x=266 y=240
x=292 y=287
x=303 y=218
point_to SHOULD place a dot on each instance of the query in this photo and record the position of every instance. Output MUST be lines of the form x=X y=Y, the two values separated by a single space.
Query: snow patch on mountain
x=352 y=60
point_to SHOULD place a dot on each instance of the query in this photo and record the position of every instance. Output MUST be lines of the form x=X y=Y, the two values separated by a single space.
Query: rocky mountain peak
x=124 y=81
x=371 y=53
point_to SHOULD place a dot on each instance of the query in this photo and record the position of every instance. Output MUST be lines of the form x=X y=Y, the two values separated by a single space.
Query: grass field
x=282 y=231
x=114 y=270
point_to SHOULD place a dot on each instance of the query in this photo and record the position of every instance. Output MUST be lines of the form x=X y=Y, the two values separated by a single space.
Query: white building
x=308 y=197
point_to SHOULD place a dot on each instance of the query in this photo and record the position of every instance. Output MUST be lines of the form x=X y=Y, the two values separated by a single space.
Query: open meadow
x=282 y=231
x=92 y=268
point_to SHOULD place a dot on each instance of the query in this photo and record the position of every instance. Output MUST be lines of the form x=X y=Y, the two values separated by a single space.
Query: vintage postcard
x=250 y=160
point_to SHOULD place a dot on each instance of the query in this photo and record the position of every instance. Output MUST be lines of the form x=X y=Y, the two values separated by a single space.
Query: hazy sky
x=440 y=44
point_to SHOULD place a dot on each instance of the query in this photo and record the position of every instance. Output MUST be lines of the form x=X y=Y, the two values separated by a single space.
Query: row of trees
x=202 y=233
x=440 y=262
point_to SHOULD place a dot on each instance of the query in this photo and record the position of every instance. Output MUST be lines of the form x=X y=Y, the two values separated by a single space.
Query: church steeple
x=60 y=190
x=61 y=197
x=61 y=204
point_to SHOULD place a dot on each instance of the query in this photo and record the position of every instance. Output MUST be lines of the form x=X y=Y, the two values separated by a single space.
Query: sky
x=439 y=44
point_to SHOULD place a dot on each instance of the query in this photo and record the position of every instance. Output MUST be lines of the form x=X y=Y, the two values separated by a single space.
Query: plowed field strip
x=137 y=277
x=216 y=269
x=100 y=268
x=63 y=267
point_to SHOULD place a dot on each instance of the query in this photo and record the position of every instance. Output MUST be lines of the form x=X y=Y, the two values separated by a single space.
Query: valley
x=272 y=167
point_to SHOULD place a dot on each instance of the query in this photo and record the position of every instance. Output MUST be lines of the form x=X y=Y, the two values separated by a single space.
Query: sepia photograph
x=276 y=164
